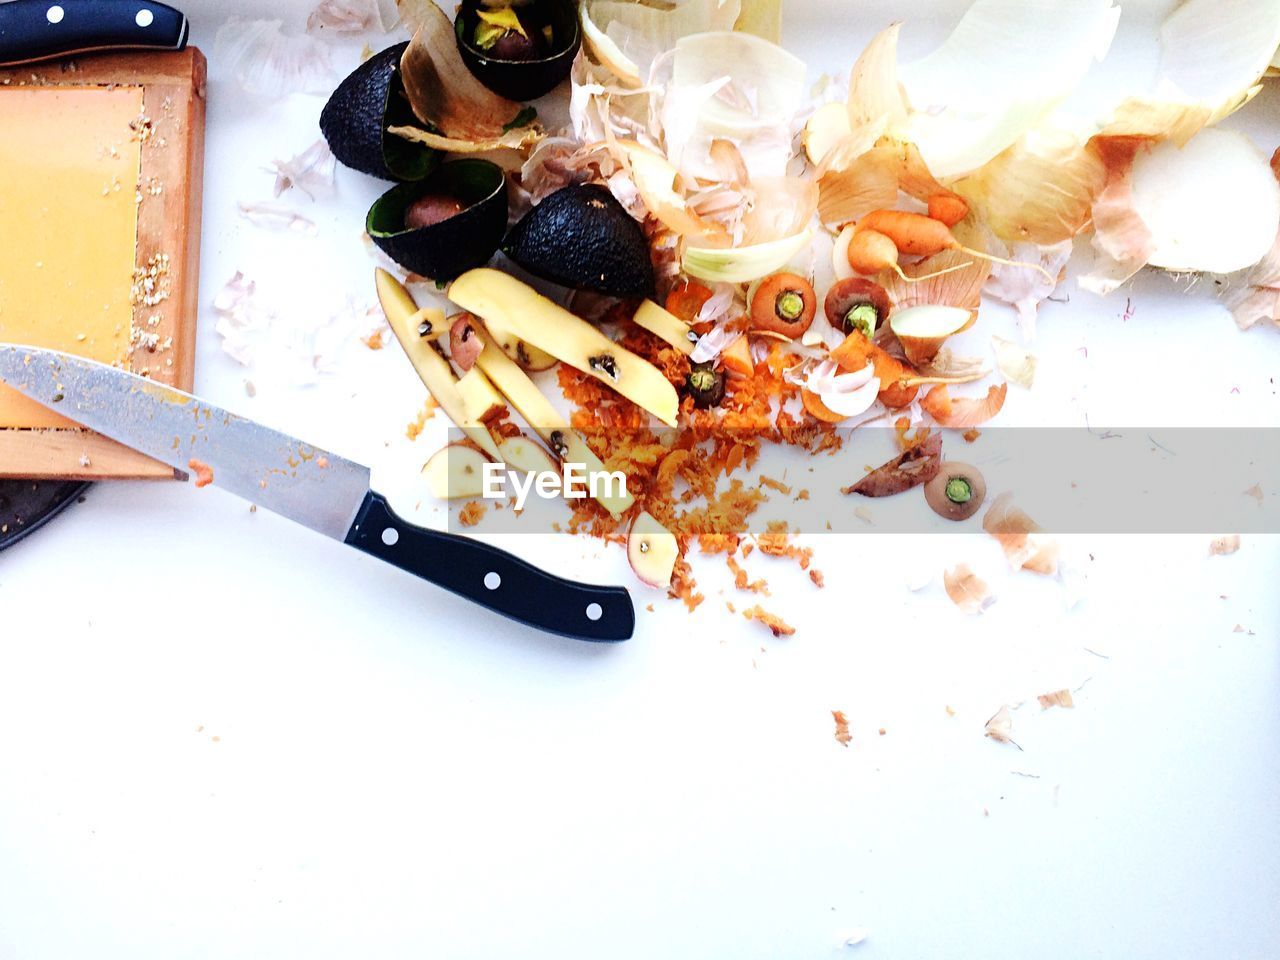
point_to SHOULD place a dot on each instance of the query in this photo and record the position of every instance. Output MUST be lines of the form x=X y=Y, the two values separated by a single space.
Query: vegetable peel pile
x=808 y=263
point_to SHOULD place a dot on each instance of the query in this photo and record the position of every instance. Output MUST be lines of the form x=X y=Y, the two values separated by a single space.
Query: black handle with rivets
x=493 y=578
x=32 y=30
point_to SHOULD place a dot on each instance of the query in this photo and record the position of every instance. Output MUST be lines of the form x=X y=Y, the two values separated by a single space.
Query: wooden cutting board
x=101 y=164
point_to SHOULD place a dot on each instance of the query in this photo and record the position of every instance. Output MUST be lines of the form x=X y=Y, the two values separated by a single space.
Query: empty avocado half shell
x=356 y=118
x=581 y=237
x=519 y=50
x=446 y=224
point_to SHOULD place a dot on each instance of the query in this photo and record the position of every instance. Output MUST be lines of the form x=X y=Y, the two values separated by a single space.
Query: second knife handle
x=33 y=30
x=493 y=578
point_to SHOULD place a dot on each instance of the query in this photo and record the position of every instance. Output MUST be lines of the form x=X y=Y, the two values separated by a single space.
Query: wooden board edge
x=74 y=455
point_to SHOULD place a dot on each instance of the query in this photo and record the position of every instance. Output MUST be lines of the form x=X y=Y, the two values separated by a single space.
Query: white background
x=222 y=736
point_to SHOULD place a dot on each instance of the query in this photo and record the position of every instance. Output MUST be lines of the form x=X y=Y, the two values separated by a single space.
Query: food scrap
x=1059 y=698
x=967 y=590
x=1225 y=545
x=472 y=513
x=843 y=736
x=202 y=471
x=1000 y=727
x=777 y=626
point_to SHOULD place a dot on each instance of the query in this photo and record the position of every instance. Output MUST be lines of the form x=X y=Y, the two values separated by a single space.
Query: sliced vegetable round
x=519 y=50
x=857 y=304
x=413 y=223
x=957 y=492
x=785 y=304
x=706 y=385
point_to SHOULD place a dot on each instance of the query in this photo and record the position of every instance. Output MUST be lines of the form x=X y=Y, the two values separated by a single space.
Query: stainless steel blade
x=281 y=473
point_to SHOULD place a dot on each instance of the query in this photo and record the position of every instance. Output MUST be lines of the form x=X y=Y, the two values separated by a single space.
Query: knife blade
x=33 y=30
x=314 y=487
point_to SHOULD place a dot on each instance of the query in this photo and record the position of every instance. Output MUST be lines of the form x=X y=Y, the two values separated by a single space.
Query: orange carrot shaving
x=203 y=472
x=919 y=236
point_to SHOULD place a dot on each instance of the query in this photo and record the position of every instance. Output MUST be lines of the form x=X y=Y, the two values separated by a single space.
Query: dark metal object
x=27 y=505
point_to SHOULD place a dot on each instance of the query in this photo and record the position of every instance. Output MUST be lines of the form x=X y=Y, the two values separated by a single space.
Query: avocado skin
x=581 y=237
x=355 y=121
x=521 y=80
x=453 y=246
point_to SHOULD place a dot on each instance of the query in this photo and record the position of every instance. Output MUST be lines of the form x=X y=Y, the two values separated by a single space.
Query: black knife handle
x=493 y=578
x=32 y=30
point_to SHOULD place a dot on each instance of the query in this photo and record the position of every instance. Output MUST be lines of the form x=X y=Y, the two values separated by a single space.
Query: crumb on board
x=778 y=626
x=843 y=736
x=818 y=579
x=374 y=340
x=202 y=471
x=472 y=513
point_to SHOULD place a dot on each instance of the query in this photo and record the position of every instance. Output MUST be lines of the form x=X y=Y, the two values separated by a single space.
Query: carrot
x=947 y=208
x=919 y=236
x=784 y=303
x=870 y=251
x=857 y=351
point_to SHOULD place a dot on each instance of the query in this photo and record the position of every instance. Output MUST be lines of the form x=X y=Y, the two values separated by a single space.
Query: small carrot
x=785 y=304
x=947 y=208
x=919 y=236
x=871 y=251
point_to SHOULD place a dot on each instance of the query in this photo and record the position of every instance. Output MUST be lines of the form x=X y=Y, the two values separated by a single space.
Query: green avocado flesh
x=451 y=244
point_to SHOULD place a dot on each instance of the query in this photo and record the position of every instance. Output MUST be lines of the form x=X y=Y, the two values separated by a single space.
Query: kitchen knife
x=320 y=490
x=32 y=30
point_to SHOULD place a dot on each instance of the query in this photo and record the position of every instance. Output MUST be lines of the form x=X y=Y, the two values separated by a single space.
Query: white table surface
x=221 y=736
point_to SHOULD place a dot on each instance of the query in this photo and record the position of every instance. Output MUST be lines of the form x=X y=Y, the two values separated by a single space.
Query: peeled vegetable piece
x=445 y=225
x=504 y=302
x=520 y=51
x=582 y=238
x=356 y=118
